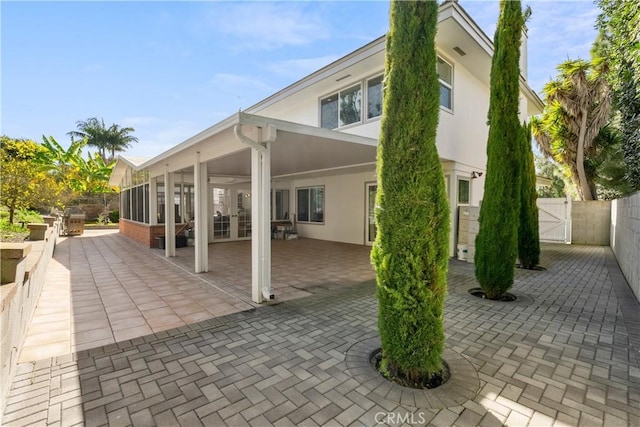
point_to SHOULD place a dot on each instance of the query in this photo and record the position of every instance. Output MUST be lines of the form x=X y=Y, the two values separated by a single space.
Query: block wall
x=625 y=238
x=18 y=303
x=590 y=222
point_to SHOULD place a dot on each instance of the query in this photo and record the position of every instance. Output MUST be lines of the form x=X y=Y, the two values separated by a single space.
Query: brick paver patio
x=566 y=354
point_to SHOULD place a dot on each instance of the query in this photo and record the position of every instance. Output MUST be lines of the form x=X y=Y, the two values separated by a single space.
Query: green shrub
x=114 y=216
x=528 y=231
x=497 y=239
x=410 y=254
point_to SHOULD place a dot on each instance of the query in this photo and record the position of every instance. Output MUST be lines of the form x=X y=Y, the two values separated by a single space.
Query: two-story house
x=307 y=154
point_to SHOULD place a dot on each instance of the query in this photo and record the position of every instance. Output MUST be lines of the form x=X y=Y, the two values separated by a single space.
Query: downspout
x=263 y=154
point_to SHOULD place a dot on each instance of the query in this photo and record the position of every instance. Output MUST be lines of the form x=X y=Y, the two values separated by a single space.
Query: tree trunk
x=582 y=177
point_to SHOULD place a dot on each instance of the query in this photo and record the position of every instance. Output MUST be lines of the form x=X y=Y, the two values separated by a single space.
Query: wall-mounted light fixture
x=476 y=174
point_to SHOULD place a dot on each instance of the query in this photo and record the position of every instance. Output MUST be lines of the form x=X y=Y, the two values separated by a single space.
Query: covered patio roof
x=297 y=149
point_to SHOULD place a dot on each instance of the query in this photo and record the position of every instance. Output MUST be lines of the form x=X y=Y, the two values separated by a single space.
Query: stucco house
x=307 y=155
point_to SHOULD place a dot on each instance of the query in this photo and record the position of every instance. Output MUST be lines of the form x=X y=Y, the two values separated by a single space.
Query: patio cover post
x=201 y=215
x=169 y=216
x=153 y=201
x=260 y=204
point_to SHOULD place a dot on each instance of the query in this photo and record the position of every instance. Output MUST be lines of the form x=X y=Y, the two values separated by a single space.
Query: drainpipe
x=263 y=186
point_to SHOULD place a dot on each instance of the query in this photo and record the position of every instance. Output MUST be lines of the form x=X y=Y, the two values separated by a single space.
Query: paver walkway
x=565 y=354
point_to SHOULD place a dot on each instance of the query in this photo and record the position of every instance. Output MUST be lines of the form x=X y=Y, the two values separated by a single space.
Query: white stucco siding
x=462 y=133
x=344 y=210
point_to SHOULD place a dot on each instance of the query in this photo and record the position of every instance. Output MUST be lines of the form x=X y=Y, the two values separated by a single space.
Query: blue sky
x=172 y=69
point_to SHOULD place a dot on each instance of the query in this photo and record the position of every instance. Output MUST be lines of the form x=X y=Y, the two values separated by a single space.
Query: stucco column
x=201 y=216
x=169 y=216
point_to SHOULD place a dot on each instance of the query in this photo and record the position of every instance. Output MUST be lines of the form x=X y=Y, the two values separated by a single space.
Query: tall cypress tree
x=497 y=240
x=410 y=253
x=528 y=232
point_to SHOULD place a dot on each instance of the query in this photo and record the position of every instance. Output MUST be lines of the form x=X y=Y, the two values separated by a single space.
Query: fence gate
x=554 y=219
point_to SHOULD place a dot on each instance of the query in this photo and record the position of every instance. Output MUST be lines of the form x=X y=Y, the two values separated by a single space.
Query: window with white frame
x=463 y=191
x=445 y=76
x=342 y=108
x=374 y=97
x=280 y=210
x=310 y=204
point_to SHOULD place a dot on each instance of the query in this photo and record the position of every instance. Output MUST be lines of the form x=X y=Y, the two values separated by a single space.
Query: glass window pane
x=374 y=97
x=329 y=112
x=160 y=191
x=146 y=203
x=282 y=204
x=350 y=105
x=444 y=71
x=463 y=192
x=445 y=96
x=317 y=204
x=303 y=204
x=177 y=205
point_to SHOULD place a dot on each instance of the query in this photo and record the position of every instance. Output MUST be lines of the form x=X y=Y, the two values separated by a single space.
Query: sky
x=173 y=69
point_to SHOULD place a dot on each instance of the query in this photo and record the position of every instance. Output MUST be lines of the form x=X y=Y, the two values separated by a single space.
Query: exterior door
x=370 y=223
x=231 y=214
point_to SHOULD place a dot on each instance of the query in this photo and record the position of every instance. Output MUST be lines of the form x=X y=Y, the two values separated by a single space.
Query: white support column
x=153 y=201
x=260 y=220
x=201 y=216
x=256 y=225
x=265 y=218
x=169 y=216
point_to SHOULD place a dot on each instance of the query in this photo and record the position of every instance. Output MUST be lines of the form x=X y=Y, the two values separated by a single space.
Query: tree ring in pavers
x=463 y=385
x=535 y=268
x=506 y=297
x=434 y=381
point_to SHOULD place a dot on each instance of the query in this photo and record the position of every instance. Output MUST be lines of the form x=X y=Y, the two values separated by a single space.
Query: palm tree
x=94 y=132
x=578 y=103
x=119 y=138
x=106 y=140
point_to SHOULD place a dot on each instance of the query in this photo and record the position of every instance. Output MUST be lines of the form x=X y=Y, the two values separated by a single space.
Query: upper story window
x=374 y=97
x=345 y=107
x=445 y=76
x=342 y=108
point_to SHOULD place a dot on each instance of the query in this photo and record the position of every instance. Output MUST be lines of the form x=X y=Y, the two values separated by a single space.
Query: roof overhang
x=460 y=38
x=297 y=150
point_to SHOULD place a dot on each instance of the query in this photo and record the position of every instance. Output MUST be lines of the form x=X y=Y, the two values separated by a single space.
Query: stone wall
x=18 y=303
x=625 y=238
x=590 y=222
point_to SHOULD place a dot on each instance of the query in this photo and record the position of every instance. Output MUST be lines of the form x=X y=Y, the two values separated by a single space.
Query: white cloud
x=258 y=26
x=297 y=68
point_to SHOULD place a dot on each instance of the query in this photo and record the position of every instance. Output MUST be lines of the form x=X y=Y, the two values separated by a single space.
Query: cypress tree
x=497 y=239
x=528 y=232
x=410 y=253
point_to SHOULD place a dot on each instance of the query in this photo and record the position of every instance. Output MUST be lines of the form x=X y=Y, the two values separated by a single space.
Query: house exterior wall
x=344 y=211
x=625 y=238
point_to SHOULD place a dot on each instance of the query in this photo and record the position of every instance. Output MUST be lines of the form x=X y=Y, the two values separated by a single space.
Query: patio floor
x=566 y=353
x=103 y=288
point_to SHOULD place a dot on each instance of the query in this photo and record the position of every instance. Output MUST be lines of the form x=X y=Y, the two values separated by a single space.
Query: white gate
x=554 y=220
